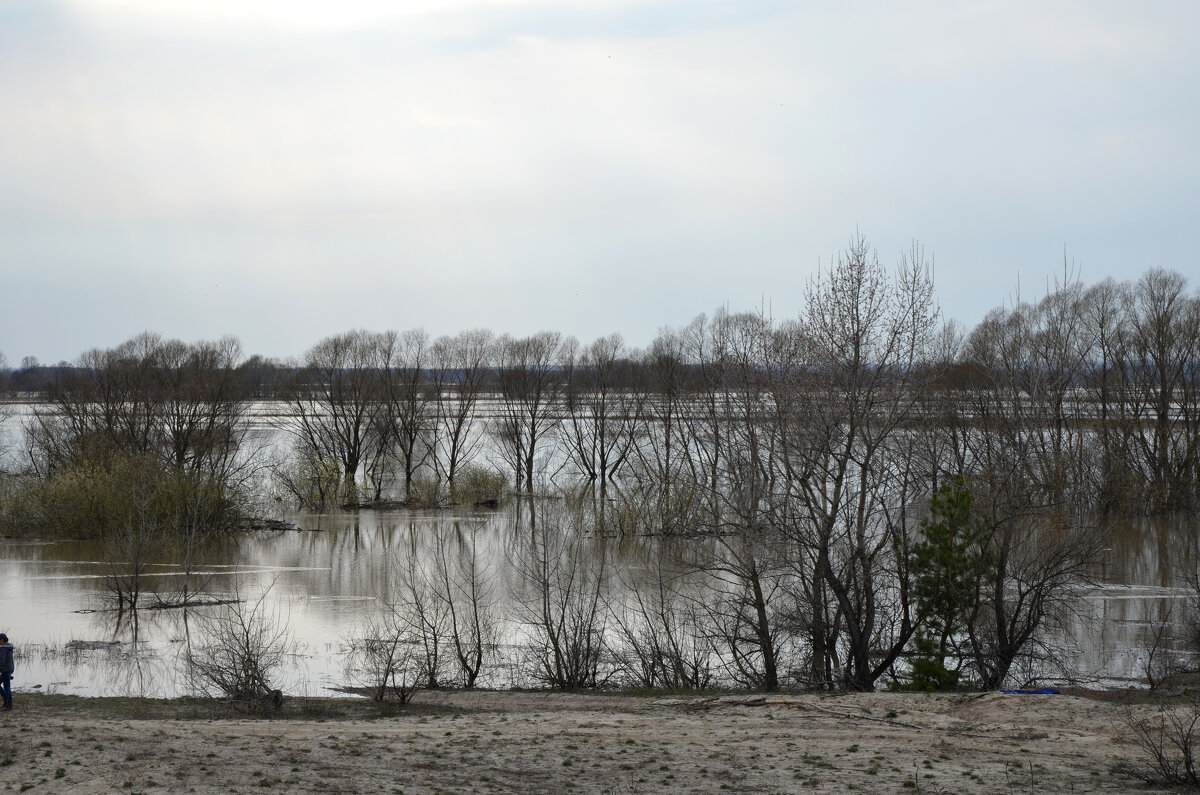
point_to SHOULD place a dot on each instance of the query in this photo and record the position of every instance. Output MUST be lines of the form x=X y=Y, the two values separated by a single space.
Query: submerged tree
x=531 y=380
x=336 y=403
x=408 y=423
x=182 y=404
x=461 y=369
x=143 y=440
x=602 y=411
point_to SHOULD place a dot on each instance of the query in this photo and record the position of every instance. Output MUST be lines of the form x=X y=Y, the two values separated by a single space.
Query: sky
x=283 y=170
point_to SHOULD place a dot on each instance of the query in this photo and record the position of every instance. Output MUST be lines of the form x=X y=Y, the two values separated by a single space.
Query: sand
x=537 y=742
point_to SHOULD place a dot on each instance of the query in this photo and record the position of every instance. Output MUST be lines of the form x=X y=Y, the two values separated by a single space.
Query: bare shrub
x=561 y=604
x=461 y=581
x=662 y=637
x=1169 y=740
x=240 y=648
x=479 y=485
x=385 y=655
x=426 y=492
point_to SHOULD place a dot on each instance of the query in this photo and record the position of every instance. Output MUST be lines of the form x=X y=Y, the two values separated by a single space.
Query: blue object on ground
x=1041 y=691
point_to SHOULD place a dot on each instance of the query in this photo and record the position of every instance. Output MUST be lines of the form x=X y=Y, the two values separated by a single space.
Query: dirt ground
x=554 y=742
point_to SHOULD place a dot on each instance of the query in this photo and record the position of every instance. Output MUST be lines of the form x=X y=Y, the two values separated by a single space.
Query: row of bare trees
x=385 y=407
x=803 y=456
x=803 y=459
x=1094 y=392
x=178 y=403
x=579 y=609
x=1097 y=388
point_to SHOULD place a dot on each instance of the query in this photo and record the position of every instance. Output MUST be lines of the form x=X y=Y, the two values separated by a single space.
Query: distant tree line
x=1099 y=388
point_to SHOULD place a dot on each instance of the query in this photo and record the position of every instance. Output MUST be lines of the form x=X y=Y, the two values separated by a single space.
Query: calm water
x=324 y=582
x=319 y=583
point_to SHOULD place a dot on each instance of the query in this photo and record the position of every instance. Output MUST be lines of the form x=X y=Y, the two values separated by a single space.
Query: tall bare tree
x=336 y=402
x=1025 y=474
x=6 y=411
x=531 y=381
x=1105 y=309
x=104 y=405
x=1165 y=356
x=462 y=367
x=180 y=404
x=409 y=401
x=563 y=577
x=203 y=401
x=602 y=410
x=462 y=581
x=850 y=477
x=663 y=470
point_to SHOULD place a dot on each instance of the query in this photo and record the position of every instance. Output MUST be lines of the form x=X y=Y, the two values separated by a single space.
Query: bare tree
x=400 y=647
x=407 y=392
x=461 y=369
x=1025 y=476
x=103 y=406
x=186 y=544
x=662 y=482
x=203 y=404
x=1105 y=373
x=740 y=445
x=6 y=411
x=849 y=474
x=663 y=636
x=532 y=380
x=429 y=616
x=563 y=580
x=665 y=371
x=1165 y=355
x=129 y=555
x=179 y=405
x=336 y=404
x=602 y=411
x=748 y=608
x=462 y=582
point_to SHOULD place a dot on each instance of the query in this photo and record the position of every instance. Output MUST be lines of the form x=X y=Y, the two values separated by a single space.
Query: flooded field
x=326 y=581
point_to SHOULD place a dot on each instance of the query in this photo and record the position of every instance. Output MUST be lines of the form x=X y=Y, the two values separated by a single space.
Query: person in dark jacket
x=6 y=671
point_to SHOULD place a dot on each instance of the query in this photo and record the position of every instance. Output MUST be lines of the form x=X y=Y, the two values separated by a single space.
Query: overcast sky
x=287 y=169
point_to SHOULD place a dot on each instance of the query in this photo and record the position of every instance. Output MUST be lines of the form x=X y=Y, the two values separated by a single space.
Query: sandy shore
x=555 y=742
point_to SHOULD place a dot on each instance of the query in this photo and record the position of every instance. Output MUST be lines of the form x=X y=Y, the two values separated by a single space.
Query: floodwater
x=328 y=579
x=320 y=583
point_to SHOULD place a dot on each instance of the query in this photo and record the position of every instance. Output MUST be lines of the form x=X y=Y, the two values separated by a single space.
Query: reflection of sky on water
x=322 y=584
x=325 y=583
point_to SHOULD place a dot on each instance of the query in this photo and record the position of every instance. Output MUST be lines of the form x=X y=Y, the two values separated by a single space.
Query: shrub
x=100 y=498
x=240 y=648
x=384 y=656
x=425 y=492
x=476 y=485
x=1171 y=742
x=307 y=482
